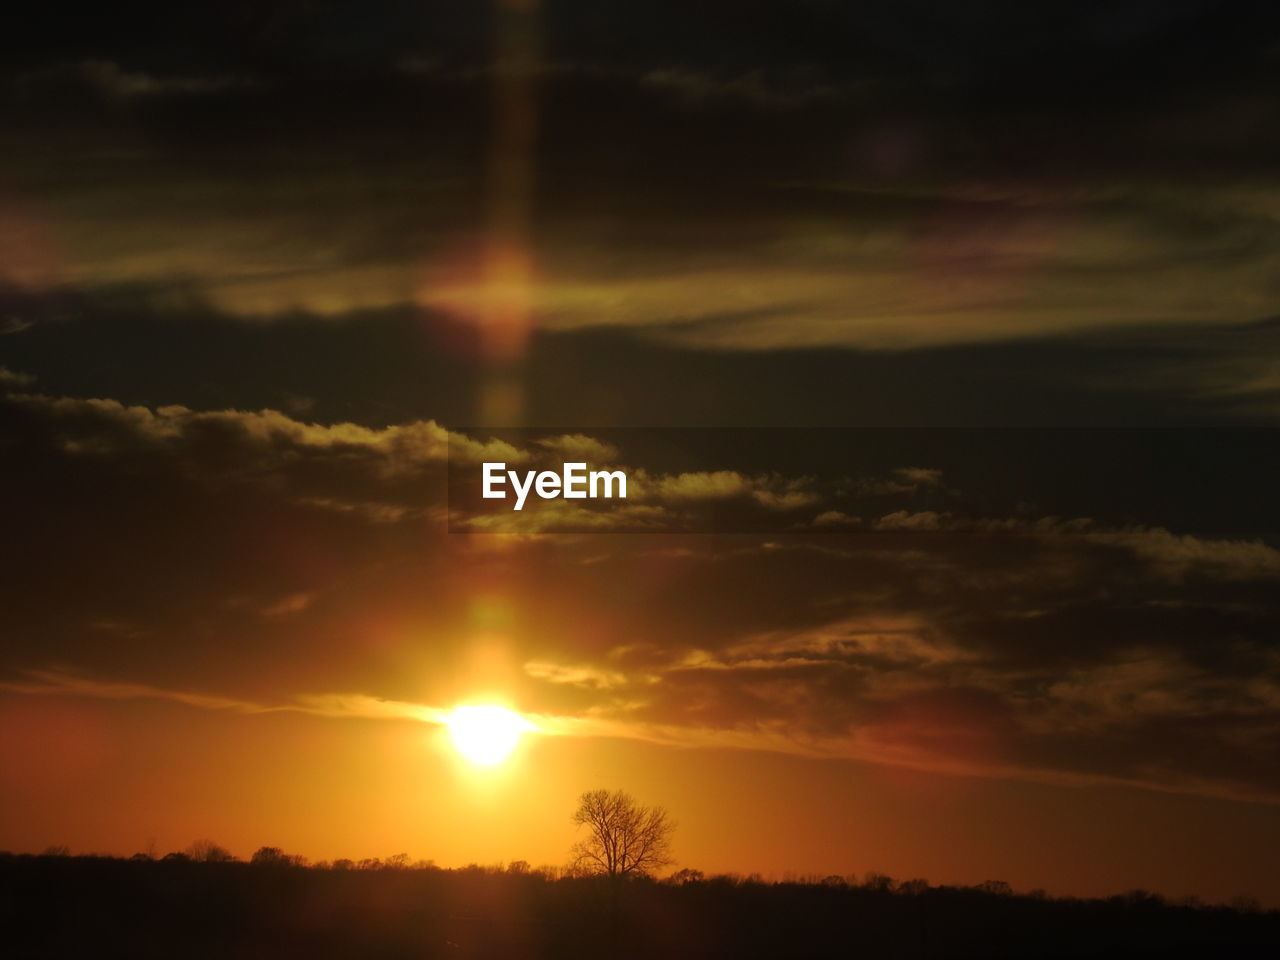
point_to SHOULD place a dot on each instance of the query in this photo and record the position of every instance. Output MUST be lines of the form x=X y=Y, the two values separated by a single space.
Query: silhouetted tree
x=206 y=851
x=878 y=882
x=93 y=906
x=271 y=857
x=687 y=875
x=624 y=838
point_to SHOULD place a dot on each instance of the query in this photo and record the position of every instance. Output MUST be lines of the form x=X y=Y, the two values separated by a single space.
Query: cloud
x=703 y=485
x=255 y=279
x=1177 y=557
x=906 y=268
x=950 y=732
x=906 y=520
x=372 y=511
x=914 y=478
x=898 y=639
x=1142 y=684
x=836 y=519
x=289 y=605
x=50 y=683
x=579 y=446
x=772 y=491
x=353 y=706
x=579 y=675
x=13 y=380
x=905 y=696
x=260 y=440
x=915 y=237
x=561 y=517
x=107 y=79
x=753 y=87
x=264 y=557
x=956 y=732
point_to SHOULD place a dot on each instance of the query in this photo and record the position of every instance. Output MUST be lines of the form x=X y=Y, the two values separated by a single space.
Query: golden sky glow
x=969 y=571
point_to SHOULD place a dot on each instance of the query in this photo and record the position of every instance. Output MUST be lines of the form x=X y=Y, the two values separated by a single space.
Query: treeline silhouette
x=205 y=903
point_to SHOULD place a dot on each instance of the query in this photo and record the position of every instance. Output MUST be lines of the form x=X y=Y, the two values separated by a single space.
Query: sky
x=940 y=343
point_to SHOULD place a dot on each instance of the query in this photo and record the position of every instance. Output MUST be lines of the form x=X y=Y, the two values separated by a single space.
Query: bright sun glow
x=485 y=735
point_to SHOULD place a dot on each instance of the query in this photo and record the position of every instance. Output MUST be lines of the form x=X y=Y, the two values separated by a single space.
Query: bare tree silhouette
x=274 y=857
x=206 y=851
x=624 y=837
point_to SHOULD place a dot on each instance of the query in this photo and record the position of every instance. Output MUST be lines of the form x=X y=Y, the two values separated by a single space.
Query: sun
x=485 y=734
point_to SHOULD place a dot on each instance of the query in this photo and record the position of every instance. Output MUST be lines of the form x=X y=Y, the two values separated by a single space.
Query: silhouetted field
x=59 y=906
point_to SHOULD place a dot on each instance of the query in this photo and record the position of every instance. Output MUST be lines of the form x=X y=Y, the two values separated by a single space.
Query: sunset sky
x=940 y=341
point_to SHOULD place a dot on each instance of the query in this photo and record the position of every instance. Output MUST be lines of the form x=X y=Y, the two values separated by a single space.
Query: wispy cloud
x=57 y=683
x=911 y=746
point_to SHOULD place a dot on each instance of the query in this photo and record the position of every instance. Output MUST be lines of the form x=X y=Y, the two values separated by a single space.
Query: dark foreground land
x=102 y=907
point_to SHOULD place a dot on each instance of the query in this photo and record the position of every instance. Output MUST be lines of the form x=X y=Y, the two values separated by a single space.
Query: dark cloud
x=158 y=345
x=1018 y=259
x=863 y=176
x=229 y=557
